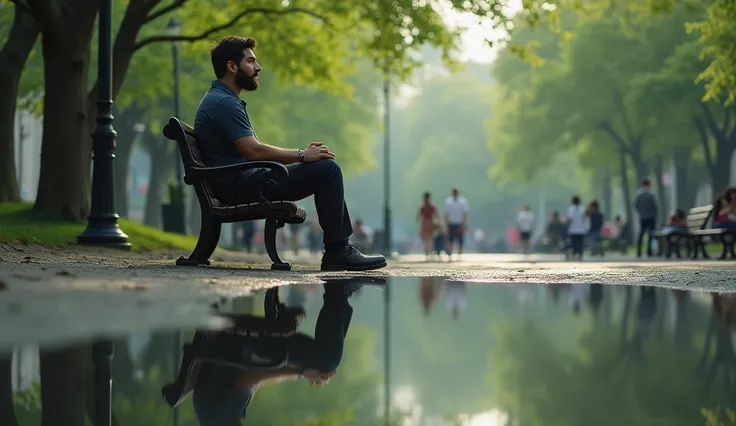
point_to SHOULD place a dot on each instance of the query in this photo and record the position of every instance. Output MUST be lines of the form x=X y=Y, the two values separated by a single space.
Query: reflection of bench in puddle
x=205 y=349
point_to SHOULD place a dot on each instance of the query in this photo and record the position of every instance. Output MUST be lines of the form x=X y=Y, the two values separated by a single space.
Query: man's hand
x=318 y=378
x=316 y=151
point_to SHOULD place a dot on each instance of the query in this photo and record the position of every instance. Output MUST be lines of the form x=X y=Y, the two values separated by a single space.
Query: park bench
x=215 y=213
x=205 y=348
x=669 y=240
x=727 y=238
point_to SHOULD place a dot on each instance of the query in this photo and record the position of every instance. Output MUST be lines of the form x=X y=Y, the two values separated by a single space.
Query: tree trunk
x=195 y=215
x=626 y=189
x=13 y=57
x=721 y=171
x=7 y=409
x=661 y=189
x=682 y=158
x=64 y=182
x=160 y=153
x=718 y=162
x=63 y=381
x=124 y=147
x=607 y=193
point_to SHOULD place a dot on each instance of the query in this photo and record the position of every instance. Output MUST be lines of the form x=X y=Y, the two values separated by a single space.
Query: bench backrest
x=191 y=156
x=697 y=217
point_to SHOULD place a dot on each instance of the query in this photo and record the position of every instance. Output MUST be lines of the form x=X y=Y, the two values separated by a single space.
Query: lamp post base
x=105 y=232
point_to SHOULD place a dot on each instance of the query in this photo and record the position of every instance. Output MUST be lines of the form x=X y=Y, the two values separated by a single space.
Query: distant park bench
x=696 y=236
x=215 y=213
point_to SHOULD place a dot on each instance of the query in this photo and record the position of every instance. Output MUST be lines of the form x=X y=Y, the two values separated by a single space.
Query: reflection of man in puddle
x=456 y=298
x=222 y=393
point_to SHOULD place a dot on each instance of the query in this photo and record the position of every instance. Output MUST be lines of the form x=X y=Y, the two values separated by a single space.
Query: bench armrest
x=277 y=171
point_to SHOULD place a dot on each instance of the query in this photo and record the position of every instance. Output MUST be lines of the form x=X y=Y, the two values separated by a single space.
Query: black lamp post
x=174 y=29
x=102 y=223
x=386 y=164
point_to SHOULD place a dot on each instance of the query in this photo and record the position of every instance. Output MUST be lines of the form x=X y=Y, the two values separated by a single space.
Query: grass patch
x=20 y=224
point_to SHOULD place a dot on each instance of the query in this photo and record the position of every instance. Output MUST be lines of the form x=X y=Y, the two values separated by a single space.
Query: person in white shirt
x=576 y=226
x=456 y=216
x=525 y=222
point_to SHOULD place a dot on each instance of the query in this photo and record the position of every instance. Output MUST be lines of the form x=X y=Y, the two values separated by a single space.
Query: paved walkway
x=53 y=295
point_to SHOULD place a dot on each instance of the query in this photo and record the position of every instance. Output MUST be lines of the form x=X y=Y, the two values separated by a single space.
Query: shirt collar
x=217 y=84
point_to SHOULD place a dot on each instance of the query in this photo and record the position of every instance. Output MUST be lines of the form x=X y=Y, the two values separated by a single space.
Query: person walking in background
x=576 y=227
x=525 y=222
x=596 y=226
x=427 y=214
x=646 y=206
x=456 y=216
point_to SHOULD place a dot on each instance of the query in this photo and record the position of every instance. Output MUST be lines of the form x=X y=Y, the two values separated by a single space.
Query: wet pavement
x=455 y=353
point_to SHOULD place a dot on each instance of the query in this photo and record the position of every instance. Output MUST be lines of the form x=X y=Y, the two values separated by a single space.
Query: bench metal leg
x=209 y=235
x=269 y=238
x=668 y=248
x=677 y=249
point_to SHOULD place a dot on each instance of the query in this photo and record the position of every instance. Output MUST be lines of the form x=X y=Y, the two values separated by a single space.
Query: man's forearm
x=265 y=152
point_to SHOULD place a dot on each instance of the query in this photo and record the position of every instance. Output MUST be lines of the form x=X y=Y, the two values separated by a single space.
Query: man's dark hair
x=575 y=200
x=228 y=49
x=645 y=182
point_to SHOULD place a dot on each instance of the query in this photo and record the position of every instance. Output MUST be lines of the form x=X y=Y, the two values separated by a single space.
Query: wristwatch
x=301 y=155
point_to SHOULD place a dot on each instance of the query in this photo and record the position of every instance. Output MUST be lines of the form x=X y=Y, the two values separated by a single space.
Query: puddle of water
x=454 y=353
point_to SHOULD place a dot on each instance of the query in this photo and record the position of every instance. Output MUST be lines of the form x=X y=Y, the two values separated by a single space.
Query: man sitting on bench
x=225 y=136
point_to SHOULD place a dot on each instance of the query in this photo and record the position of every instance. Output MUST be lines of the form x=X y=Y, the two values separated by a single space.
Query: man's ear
x=232 y=67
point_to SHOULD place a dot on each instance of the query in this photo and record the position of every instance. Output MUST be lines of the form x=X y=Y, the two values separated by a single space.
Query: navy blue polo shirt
x=221 y=118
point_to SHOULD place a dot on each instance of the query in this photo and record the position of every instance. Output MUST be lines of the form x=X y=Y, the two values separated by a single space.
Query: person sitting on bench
x=222 y=393
x=225 y=135
x=724 y=210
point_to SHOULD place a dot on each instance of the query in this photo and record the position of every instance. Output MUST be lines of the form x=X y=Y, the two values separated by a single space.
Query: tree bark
x=724 y=134
x=607 y=192
x=64 y=182
x=63 y=381
x=13 y=57
x=160 y=152
x=626 y=189
x=7 y=409
x=124 y=147
x=683 y=185
x=664 y=207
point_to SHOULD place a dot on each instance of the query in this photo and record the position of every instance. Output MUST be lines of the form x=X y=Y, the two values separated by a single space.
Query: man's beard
x=245 y=81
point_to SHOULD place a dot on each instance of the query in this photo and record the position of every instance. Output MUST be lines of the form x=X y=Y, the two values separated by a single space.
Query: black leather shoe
x=349 y=286
x=351 y=259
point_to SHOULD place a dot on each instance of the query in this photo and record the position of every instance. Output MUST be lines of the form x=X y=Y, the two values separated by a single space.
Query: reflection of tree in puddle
x=644 y=371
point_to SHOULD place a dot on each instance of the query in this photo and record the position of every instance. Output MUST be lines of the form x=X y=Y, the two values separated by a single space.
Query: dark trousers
x=322 y=178
x=324 y=351
x=645 y=226
x=576 y=242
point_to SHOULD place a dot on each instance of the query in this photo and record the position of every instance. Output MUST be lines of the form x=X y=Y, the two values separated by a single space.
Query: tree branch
x=606 y=127
x=23 y=5
x=164 y=10
x=620 y=102
x=230 y=23
x=706 y=143
x=717 y=132
x=46 y=14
